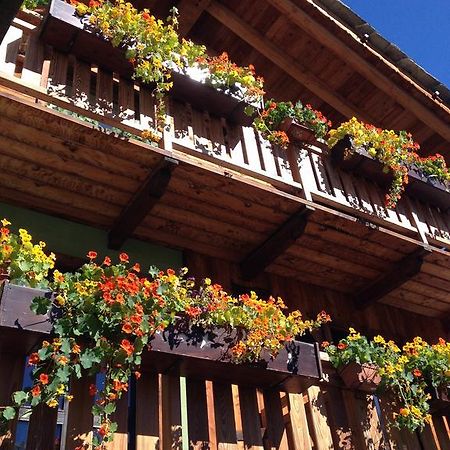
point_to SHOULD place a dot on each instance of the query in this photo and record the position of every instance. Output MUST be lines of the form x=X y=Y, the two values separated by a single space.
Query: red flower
x=137 y=374
x=136 y=318
x=92 y=390
x=124 y=257
x=43 y=378
x=136 y=267
x=417 y=373
x=127 y=328
x=342 y=346
x=107 y=261
x=170 y=272
x=33 y=359
x=325 y=344
x=127 y=346
x=92 y=255
x=36 y=391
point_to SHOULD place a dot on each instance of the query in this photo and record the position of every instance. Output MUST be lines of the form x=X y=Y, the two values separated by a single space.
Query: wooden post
x=79 y=417
x=9 y=9
x=11 y=375
x=41 y=430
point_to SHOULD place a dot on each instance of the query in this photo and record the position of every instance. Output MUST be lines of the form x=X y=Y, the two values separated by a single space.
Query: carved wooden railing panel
x=115 y=102
x=169 y=411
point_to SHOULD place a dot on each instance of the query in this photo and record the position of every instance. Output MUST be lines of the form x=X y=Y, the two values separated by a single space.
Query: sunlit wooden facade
x=237 y=210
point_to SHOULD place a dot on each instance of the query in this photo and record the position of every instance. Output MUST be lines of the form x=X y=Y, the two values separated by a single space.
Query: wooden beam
x=287 y=63
x=400 y=273
x=190 y=11
x=9 y=9
x=276 y=244
x=142 y=202
x=300 y=18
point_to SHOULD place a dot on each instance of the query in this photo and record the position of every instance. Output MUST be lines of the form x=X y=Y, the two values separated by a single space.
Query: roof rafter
x=276 y=244
x=284 y=61
x=399 y=274
x=142 y=202
x=190 y=12
x=300 y=18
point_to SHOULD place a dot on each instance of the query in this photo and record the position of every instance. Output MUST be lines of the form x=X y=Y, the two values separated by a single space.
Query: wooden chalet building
x=217 y=198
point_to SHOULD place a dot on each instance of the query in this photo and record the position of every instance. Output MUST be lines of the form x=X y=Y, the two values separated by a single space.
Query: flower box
x=363 y=377
x=440 y=400
x=297 y=132
x=419 y=186
x=204 y=356
x=15 y=309
x=69 y=33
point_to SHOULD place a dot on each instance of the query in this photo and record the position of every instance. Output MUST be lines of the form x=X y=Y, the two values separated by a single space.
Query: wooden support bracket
x=9 y=9
x=142 y=202
x=399 y=274
x=276 y=244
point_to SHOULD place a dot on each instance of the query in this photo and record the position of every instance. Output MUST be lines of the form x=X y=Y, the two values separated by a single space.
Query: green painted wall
x=74 y=239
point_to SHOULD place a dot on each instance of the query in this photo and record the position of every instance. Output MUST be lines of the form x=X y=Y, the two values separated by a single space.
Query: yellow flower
x=69 y=398
x=404 y=412
x=61 y=389
x=52 y=403
x=60 y=300
x=379 y=340
x=5 y=222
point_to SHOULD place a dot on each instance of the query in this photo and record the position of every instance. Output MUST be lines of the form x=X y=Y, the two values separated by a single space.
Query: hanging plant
x=407 y=373
x=107 y=314
x=396 y=151
x=21 y=261
x=269 y=121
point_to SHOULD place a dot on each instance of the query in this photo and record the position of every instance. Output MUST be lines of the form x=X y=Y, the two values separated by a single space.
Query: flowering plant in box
x=110 y=312
x=273 y=114
x=225 y=75
x=432 y=361
x=359 y=349
x=397 y=151
x=156 y=50
x=21 y=261
x=401 y=372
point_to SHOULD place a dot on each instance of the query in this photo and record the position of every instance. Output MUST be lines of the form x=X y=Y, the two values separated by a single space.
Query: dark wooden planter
x=69 y=33
x=298 y=132
x=204 y=356
x=440 y=400
x=419 y=186
x=195 y=354
x=363 y=377
x=15 y=309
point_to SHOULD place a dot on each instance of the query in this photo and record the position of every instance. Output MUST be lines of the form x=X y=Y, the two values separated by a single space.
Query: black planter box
x=15 y=309
x=419 y=186
x=69 y=33
x=195 y=354
x=203 y=356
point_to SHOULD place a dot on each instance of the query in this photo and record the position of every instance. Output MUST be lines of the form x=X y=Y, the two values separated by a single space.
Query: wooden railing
x=29 y=67
x=170 y=411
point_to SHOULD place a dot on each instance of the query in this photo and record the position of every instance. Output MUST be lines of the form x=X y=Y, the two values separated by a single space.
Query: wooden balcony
x=232 y=195
x=177 y=411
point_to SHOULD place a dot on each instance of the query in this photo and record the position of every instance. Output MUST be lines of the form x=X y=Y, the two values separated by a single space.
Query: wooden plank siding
x=229 y=417
x=230 y=192
x=201 y=134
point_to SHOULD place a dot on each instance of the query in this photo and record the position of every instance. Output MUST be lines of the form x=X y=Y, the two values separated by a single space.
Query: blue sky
x=420 y=28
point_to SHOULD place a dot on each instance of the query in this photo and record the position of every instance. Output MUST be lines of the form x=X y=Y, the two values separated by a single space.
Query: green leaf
x=9 y=413
x=40 y=305
x=110 y=408
x=20 y=397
